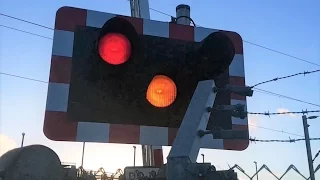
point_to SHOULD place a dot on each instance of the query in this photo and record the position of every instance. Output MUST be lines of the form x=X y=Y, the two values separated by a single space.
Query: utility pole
x=255 y=162
x=22 y=140
x=307 y=139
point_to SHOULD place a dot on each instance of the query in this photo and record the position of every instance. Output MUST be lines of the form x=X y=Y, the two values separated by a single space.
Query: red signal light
x=162 y=91
x=114 y=48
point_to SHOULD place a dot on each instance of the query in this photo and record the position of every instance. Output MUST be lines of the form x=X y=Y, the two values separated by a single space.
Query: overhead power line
x=281 y=113
x=22 y=77
x=36 y=80
x=282 y=141
x=27 y=32
x=275 y=130
x=36 y=24
x=259 y=90
x=282 y=53
x=253 y=113
x=286 y=97
x=315 y=157
x=158 y=11
x=263 y=91
x=285 y=77
x=255 y=44
x=276 y=51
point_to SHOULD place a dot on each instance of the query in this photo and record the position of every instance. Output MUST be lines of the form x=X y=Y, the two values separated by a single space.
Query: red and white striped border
x=56 y=125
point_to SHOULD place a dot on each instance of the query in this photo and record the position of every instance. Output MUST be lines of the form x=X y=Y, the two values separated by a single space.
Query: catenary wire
x=255 y=44
x=31 y=79
x=23 y=77
x=27 y=32
x=160 y=12
x=285 y=77
x=259 y=90
x=267 y=92
x=286 y=97
x=275 y=130
x=281 y=113
x=251 y=43
x=282 y=53
x=36 y=24
x=281 y=140
x=315 y=157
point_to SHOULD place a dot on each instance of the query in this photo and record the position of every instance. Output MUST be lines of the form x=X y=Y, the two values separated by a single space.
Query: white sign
x=136 y=173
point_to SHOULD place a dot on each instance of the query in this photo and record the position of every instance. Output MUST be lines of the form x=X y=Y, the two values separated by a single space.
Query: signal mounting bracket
x=242 y=91
x=186 y=146
x=237 y=110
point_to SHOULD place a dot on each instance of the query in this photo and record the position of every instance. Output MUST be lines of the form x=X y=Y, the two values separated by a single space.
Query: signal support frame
x=181 y=161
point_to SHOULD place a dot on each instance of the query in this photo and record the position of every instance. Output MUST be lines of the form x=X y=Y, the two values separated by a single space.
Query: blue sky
x=288 y=26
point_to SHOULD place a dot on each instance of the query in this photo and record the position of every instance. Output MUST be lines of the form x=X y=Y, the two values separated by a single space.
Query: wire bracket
x=240 y=90
x=237 y=110
x=218 y=133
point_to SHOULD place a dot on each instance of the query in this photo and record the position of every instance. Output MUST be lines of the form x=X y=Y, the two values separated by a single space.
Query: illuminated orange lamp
x=162 y=91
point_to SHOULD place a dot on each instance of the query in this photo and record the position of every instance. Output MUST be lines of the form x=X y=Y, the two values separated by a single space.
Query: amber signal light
x=162 y=91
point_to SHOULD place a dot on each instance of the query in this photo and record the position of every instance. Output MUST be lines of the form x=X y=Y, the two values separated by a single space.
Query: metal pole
x=144 y=11
x=140 y=9
x=151 y=156
x=144 y=155
x=83 y=146
x=309 y=154
x=256 y=170
x=187 y=143
x=202 y=158
x=134 y=156
x=23 y=134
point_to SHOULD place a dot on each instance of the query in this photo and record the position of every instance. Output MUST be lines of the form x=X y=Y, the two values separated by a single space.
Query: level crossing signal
x=121 y=79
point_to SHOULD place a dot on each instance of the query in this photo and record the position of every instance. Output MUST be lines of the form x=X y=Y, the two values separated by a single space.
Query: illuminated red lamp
x=114 y=48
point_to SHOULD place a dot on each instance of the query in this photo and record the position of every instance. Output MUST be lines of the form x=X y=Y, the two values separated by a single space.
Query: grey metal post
x=202 y=158
x=309 y=154
x=256 y=169
x=187 y=143
x=144 y=9
x=143 y=155
x=152 y=163
x=22 y=140
x=140 y=9
x=83 y=146
x=134 y=155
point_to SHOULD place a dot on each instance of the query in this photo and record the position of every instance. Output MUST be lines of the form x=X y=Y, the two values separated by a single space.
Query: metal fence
x=101 y=174
x=266 y=168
